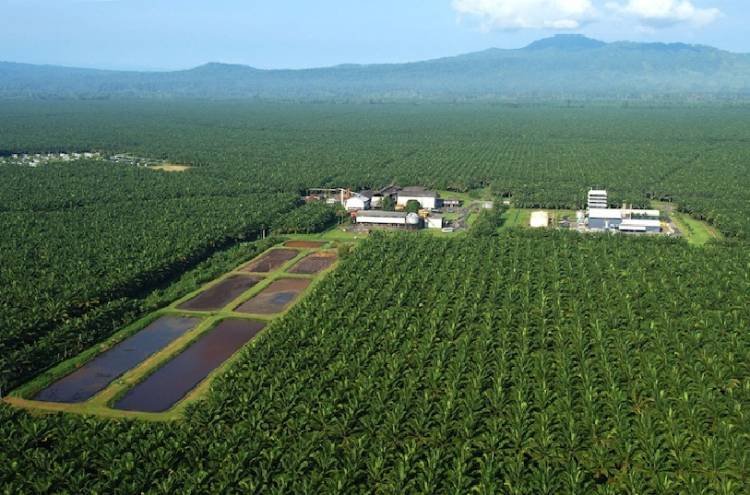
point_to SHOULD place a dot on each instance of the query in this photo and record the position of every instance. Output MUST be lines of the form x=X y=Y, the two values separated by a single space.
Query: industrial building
x=427 y=200
x=539 y=220
x=388 y=219
x=625 y=220
x=434 y=221
x=358 y=201
x=597 y=199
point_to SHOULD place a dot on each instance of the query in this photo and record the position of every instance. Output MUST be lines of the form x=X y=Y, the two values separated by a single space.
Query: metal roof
x=539 y=219
x=359 y=196
x=615 y=213
x=640 y=223
x=605 y=213
x=381 y=214
x=418 y=194
x=645 y=213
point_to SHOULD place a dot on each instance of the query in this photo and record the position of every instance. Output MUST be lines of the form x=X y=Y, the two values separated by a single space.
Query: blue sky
x=174 y=34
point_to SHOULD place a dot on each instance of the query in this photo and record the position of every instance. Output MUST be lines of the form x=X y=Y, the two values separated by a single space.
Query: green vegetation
x=388 y=204
x=412 y=206
x=308 y=218
x=488 y=222
x=528 y=375
x=101 y=402
x=507 y=361
x=696 y=232
x=516 y=217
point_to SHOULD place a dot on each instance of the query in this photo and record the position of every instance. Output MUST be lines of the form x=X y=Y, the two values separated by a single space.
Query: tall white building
x=597 y=199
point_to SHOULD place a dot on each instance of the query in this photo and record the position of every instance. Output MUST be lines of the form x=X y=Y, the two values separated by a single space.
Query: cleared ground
x=171 y=167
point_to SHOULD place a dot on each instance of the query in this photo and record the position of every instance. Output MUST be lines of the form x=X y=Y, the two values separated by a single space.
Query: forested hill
x=566 y=66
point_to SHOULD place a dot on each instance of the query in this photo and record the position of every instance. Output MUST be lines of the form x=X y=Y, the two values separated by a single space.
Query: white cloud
x=523 y=14
x=666 y=12
x=572 y=14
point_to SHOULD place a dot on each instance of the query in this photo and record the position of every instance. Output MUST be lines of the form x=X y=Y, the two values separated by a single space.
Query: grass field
x=516 y=217
x=695 y=232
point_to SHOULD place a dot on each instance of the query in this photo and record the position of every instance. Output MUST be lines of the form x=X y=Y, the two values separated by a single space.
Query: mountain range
x=564 y=66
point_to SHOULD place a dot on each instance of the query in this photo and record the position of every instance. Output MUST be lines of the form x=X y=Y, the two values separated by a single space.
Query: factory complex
x=390 y=207
x=627 y=220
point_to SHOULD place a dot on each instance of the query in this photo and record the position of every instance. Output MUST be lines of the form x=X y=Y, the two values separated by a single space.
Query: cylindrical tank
x=412 y=219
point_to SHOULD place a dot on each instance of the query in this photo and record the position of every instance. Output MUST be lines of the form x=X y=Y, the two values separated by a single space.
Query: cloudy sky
x=173 y=34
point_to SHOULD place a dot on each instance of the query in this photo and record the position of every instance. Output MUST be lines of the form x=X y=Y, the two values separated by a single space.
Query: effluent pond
x=271 y=260
x=173 y=381
x=216 y=297
x=314 y=263
x=276 y=297
x=97 y=374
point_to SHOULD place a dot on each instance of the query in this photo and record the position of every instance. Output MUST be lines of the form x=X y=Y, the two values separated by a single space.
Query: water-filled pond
x=271 y=260
x=170 y=383
x=276 y=297
x=314 y=263
x=94 y=376
x=216 y=297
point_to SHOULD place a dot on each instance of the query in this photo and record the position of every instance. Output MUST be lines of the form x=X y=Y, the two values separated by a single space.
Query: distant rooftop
x=381 y=214
x=417 y=192
x=615 y=213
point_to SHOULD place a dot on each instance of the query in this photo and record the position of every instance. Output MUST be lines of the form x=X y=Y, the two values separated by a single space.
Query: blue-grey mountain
x=565 y=66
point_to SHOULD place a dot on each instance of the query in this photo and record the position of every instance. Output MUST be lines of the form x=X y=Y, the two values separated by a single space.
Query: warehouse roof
x=417 y=192
x=640 y=223
x=381 y=214
x=620 y=213
x=539 y=219
x=645 y=213
x=606 y=213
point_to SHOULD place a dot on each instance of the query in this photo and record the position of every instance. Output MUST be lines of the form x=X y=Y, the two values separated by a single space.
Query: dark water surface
x=271 y=260
x=94 y=376
x=179 y=376
x=314 y=263
x=276 y=297
x=221 y=294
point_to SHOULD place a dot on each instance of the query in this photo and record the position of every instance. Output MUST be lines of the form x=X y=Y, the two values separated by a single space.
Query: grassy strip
x=516 y=217
x=695 y=232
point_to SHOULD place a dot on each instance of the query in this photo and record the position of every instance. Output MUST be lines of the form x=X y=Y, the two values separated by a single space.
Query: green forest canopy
x=651 y=329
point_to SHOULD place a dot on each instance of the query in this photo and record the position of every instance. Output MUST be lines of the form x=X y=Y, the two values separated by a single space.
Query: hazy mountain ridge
x=563 y=66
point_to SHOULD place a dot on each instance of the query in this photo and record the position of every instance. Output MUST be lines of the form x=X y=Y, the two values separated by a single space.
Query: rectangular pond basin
x=271 y=260
x=221 y=294
x=97 y=374
x=170 y=383
x=314 y=263
x=305 y=244
x=276 y=297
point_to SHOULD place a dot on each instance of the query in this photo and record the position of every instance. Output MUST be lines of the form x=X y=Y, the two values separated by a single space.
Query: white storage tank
x=413 y=219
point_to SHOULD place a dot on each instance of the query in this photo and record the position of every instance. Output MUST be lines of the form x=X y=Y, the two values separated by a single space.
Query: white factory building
x=597 y=199
x=539 y=220
x=428 y=200
x=629 y=220
x=357 y=202
x=624 y=220
x=434 y=221
x=388 y=218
